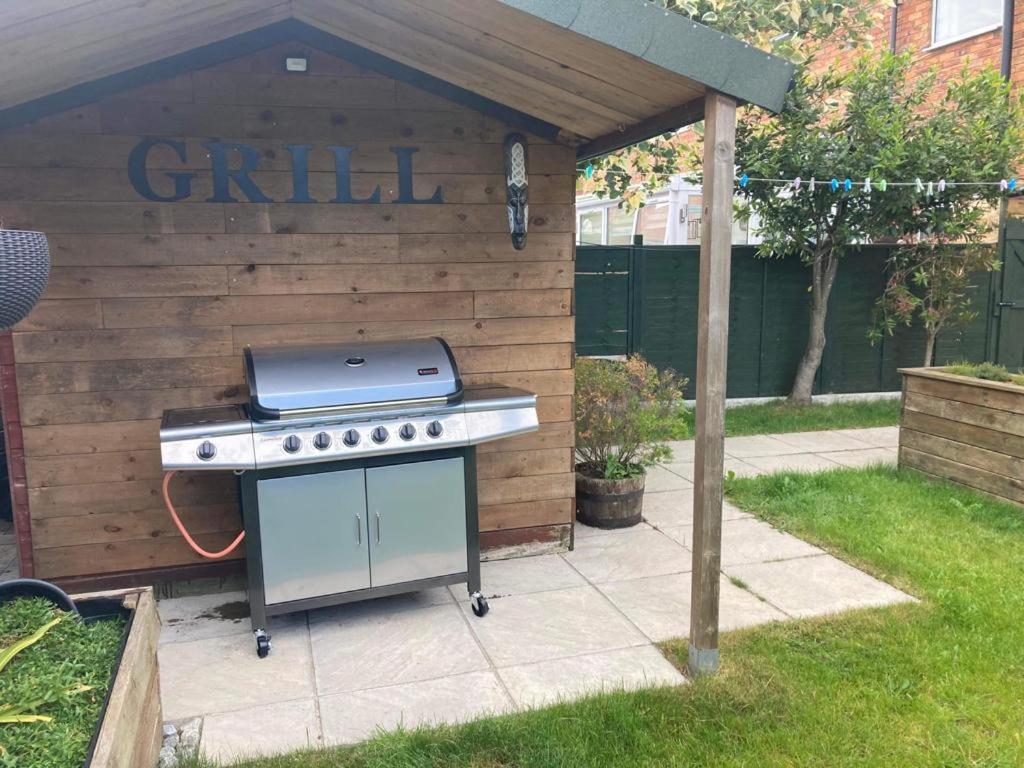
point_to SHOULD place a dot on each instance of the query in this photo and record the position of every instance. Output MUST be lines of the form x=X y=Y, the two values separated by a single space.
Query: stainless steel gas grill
x=356 y=467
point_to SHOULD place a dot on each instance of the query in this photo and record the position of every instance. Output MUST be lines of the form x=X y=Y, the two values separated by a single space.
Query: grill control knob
x=292 y=443
x=407 y=432
x=206 y=450
x=435 y=428
x=322 y=441
x=350 y=438
x=379 y=434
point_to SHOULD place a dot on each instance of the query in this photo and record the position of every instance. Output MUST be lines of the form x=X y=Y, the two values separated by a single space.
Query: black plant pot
x=24 y=270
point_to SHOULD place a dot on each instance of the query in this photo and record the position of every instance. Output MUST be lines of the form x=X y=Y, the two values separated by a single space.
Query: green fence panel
x=602 y=301
x=644 y=299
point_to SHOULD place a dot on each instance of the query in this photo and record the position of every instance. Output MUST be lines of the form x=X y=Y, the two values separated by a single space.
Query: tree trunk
x=929 y=346
x=823 y=278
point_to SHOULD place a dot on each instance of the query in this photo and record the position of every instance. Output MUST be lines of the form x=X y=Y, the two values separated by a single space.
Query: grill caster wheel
x=480 y=606
x=262 y=644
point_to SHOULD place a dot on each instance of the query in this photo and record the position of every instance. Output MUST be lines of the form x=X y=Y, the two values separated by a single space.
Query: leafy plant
x=625 y=411
x=974 y=135
x=54 y=688
x=986 y=371
x=25 y=711
x=796 y=30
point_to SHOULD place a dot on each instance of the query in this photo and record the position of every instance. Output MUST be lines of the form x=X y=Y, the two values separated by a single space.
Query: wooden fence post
x=712 y=355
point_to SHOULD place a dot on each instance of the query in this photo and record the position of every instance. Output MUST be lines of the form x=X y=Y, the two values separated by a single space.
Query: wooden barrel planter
x=130 y=728
x=604 y=503
x=966 y=430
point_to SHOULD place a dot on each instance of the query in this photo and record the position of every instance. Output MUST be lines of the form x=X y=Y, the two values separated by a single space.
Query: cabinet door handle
x=359 y=530
x=378 y=526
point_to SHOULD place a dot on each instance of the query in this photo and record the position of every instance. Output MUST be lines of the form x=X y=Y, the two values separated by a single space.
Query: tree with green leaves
x=795 y=30
x=837 y=130
x=973 y=137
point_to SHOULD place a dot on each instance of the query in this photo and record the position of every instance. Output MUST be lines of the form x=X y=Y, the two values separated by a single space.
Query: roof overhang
x=599 y=74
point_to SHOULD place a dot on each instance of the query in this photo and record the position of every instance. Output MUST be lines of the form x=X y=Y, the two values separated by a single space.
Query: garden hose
x=188 y=538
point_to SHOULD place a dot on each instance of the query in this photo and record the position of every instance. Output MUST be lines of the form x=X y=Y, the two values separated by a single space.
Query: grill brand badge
x=232 y=165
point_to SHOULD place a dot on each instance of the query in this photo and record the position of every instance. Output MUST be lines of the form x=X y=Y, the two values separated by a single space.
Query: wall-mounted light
x=296 y=64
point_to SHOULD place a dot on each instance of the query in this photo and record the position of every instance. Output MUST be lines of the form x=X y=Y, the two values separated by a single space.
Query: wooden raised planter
x=130 y=730
x=966 y=430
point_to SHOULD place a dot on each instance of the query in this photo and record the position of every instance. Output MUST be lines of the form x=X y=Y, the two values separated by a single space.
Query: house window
x=590 y=228
x=620 y=226
x=954 y=20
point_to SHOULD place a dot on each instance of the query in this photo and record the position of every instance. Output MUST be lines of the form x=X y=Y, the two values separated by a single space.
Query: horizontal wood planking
x=975 y=415
x=114 y=185
x=71 y=314
x=80 y=408
x=963 y=453
x=964 y=392
x=1006 y=488
x=415 y=278
x=100 y=498
x=526 y=514
x=104 y=437
x=153 y=250
x=150 y=304
x=503 y=331
x=1011 y=445
x=129 y=554
x=122 y=344
x=370 y=156
x=126 y=375
x=112 y=527
x=295 y=308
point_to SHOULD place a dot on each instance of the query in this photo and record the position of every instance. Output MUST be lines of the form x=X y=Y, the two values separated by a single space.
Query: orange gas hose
x=192 y=542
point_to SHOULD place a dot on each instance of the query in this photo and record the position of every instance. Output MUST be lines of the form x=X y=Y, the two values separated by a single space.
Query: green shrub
x=986 y=371
x=625 y=411
x=63 y=676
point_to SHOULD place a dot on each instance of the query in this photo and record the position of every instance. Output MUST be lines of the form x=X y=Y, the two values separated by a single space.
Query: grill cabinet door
x=313 y=535
x=417 y=517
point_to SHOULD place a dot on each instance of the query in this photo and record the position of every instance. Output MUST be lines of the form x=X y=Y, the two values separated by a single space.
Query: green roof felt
x=675 y=43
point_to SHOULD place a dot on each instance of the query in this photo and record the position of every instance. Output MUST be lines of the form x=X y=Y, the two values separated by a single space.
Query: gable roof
x=597 y=73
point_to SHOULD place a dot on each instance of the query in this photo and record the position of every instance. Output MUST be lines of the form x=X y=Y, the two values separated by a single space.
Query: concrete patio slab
x=738 y=467
x=560 y=625
x=823 y=440
x=660 y=605
x=551 y=625
x=813 y=586
x=876 y=437
x=674 y=508
x=757 y=445
x=863 y=457
x=631 y=554
x=581 y=531
x=373 y=645
x=271 y=729
x=796 y=462
x=544 y=573
x=662 y=479
x=546 y=682
x=352 y=717
x=750 y=541
x=222 y=674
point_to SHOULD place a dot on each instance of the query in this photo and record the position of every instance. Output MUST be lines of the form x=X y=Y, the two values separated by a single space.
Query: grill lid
x=294 y=380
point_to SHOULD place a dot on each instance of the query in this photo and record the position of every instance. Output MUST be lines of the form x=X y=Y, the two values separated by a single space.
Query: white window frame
x=959 y=38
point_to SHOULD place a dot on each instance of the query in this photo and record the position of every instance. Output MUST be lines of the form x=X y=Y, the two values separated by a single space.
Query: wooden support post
x=712 y=355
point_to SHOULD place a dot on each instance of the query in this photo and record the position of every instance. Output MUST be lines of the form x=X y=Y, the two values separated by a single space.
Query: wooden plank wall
x=964 y=430
x=150 y=304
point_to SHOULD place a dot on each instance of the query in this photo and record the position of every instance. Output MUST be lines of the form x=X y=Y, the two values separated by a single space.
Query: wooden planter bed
x=129 y=731
x=966 y=430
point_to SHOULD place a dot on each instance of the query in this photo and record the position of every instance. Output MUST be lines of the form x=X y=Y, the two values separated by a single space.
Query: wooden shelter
x=199 y=197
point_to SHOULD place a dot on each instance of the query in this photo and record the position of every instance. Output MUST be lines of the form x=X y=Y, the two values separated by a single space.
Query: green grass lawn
x=45 y=679
x=780 y=416
x=938 y=683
